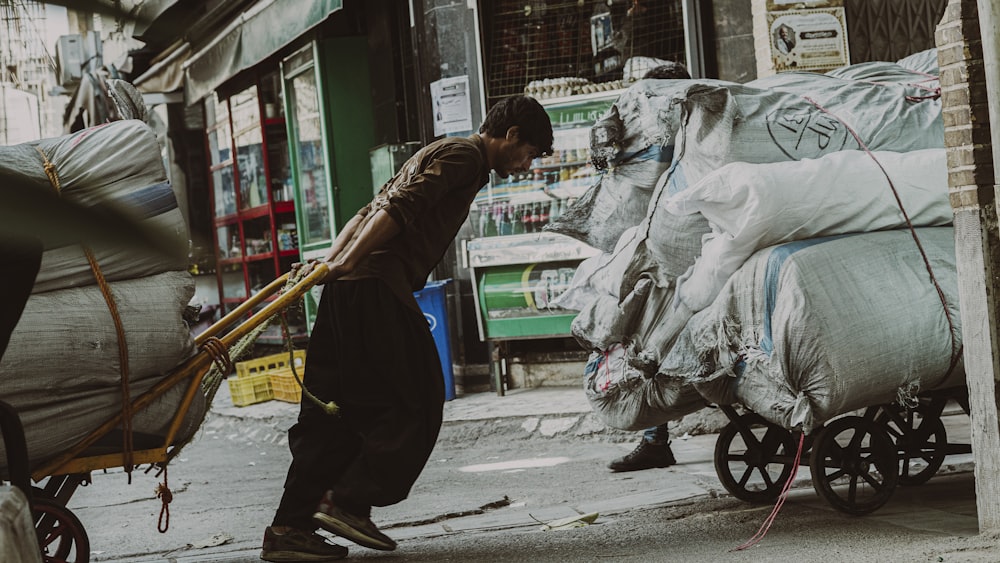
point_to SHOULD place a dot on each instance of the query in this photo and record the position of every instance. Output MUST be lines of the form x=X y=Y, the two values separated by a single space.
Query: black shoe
x=644 y=456
x=358 y=529
x=298 y=545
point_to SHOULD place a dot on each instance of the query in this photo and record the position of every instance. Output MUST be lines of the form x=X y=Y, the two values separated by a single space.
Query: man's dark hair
x=527 y=115
x=669 y=70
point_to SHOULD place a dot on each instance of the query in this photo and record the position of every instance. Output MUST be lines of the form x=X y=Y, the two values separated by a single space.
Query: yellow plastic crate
x=250 y=389
x=284 y=385
x=270 y=363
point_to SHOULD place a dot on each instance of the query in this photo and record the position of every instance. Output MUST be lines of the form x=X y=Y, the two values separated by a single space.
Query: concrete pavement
x=555 y=413
x=503 y=464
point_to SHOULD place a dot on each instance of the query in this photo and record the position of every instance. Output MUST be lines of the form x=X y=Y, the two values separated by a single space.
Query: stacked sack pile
x=726 y=273
x=62 y=369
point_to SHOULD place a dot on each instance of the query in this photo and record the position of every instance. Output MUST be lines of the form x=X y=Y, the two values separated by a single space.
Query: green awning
x=255 y=35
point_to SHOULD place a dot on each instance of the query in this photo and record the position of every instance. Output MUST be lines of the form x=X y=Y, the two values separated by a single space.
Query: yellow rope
x=123 y=367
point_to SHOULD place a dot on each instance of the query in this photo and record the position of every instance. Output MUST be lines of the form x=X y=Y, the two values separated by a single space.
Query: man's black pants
x=375 y=357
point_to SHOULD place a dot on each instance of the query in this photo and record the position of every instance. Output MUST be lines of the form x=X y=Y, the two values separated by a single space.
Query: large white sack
x=116 y=166
x=704 y=124
x=811 y=329
x=61 y=369
x=67 y=338
x=752 y=206
x=923 y=62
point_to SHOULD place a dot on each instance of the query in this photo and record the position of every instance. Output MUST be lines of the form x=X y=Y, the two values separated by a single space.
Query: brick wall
x=965 y=110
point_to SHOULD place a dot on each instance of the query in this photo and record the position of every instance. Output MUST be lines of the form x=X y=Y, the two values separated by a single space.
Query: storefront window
x=248 y=136
x=221 y=153
x=307 y=145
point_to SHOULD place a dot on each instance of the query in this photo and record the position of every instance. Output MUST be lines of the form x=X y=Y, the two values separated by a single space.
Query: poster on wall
x=808 y=39
x=452 y=108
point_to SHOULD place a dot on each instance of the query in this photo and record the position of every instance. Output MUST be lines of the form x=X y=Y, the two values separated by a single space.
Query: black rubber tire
x=754 y=452
x=867 y=458
x=924 y=438
x=61 y=536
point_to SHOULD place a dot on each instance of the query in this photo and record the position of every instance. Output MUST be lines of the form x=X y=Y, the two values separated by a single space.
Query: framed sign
x=808 y=39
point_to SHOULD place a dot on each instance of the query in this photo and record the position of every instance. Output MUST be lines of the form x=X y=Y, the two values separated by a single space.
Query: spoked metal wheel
x=754 y=458
x=60 y=534
x=854 y=465
x=921 y=442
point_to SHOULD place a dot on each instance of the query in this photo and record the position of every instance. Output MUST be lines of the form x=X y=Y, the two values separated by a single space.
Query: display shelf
x=528 y=201
x=256 y=212
x=518 y=268
x=256 y=239
x=227 y=220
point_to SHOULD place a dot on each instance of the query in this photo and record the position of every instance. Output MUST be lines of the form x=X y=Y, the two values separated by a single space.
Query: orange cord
x=123 y=367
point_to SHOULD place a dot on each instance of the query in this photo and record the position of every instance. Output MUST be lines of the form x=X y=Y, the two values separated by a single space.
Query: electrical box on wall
x=69 y=59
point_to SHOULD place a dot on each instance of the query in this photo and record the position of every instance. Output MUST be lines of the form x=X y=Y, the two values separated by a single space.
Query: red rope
x=777 y=505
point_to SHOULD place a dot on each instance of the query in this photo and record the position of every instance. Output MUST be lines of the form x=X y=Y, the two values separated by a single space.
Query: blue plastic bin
x=433 y=302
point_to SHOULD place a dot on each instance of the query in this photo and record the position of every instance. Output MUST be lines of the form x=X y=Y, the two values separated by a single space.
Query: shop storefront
x=575 y=57
x=289 y=104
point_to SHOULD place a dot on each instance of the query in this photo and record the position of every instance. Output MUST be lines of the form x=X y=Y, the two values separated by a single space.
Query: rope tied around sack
x=123 y=367
x=956 y=348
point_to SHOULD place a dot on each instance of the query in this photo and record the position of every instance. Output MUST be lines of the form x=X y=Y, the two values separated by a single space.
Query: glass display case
x=256 y=239
x=517 y=269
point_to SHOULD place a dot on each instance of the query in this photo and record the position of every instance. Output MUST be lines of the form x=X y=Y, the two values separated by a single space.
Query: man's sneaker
x=297 y=545
x=358 y=529
x=644 y=456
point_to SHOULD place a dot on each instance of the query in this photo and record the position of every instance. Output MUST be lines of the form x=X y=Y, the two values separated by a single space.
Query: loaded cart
x=103 y=368
x=61 y=534
x=843 y=356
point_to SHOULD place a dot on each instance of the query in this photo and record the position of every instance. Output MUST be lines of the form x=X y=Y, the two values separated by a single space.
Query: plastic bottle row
x=564 y=155
x=506 y=218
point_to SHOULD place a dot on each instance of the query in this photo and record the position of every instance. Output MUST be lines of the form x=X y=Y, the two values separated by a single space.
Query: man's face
x=515 y=155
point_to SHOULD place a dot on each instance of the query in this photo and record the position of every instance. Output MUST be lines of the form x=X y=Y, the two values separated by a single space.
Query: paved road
x=485 y=494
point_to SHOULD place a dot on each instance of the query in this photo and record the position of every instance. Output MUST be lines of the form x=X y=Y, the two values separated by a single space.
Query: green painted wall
x=350 y=121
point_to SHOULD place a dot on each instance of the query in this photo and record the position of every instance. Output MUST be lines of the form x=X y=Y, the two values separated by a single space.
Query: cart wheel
x=60 y=534
x=858 y=453
x=747 y=460
x=921 y=439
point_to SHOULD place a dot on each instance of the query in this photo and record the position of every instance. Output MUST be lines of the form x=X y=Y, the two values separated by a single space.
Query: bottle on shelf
x=518 y=215
x=528 y=226
x=490 y=229
x=557 y=209
x=506 y=222
x=484 y=218
x=535 y=218
x=498 y=216
x=543 y=217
